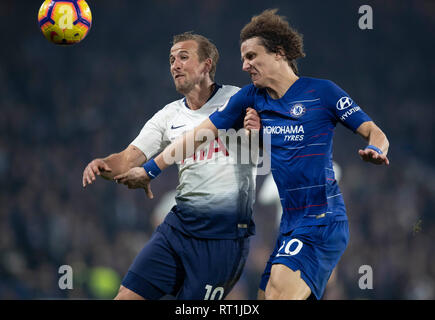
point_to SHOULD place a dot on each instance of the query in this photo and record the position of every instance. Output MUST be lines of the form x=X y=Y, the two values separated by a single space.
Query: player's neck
x=281 y=84
x=200 y=94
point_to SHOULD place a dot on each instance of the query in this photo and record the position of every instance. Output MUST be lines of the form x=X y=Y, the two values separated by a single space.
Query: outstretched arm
x=179 y=150
x=113 y=165
x=377 y=148
x=187 y=145
x=223 y=118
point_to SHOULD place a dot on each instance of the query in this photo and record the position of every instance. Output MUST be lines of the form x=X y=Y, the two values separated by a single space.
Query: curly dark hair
x=275 y=35
x=206 y=49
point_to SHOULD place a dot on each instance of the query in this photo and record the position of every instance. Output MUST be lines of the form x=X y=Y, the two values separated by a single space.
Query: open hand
x=95 y=167
x=372 y=156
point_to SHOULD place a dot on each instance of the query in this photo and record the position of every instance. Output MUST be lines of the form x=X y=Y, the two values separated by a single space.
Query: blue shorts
x=314 y=250
x=188 y=268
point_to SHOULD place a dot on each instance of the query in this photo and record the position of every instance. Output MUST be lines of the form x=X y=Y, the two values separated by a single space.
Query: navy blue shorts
x=186 y=267
x=314 y=250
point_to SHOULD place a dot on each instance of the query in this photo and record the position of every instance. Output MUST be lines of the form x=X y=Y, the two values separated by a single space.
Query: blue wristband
x=374 y=148
x=152 y=169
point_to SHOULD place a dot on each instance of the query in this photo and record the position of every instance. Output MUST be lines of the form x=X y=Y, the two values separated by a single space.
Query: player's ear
x=279 y=53
x=208 y=64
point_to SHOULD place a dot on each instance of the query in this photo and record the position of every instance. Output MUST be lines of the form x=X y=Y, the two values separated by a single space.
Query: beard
x=184 y=87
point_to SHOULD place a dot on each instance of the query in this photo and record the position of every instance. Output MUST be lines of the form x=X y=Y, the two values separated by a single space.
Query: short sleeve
x=228 y=115
x=151 y=138
x=343 y=108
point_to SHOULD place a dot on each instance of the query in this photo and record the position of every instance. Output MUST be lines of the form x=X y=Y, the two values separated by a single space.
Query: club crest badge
x=297 y=110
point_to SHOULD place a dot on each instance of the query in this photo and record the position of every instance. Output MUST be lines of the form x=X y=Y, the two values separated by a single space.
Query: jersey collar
x=216 y=88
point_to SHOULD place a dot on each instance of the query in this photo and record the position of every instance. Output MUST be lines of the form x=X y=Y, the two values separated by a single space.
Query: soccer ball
x=65 y=22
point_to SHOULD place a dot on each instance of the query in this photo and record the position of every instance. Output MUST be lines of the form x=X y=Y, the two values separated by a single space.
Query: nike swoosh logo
x=150 y=174
x=221 y=108
x=172 y=127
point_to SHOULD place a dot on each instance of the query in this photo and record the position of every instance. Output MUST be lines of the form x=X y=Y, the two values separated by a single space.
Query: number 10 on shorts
x=215 y=294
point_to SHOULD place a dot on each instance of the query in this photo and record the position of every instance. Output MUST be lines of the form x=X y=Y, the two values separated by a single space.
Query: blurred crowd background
x=61 y=107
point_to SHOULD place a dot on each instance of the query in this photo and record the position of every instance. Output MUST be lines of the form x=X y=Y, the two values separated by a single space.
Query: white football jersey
x=216 y=193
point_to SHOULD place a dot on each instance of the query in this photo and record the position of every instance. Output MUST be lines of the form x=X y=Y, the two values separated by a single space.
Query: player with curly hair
x=299 y=114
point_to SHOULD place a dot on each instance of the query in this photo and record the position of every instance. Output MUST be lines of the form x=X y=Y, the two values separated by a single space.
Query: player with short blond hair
x=200 y=249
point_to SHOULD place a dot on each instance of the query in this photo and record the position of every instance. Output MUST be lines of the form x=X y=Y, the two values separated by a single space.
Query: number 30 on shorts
x=285 y=248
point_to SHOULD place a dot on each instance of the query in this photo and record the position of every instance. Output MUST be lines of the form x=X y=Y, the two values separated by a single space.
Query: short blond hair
x=206 y=49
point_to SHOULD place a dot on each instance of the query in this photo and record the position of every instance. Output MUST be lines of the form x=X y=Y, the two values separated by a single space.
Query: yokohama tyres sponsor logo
x=283 y=129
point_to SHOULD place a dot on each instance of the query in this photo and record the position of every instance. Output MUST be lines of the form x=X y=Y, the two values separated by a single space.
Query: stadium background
x=60 y=107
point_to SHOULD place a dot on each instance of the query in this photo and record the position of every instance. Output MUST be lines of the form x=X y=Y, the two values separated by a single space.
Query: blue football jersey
x=301 y=127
